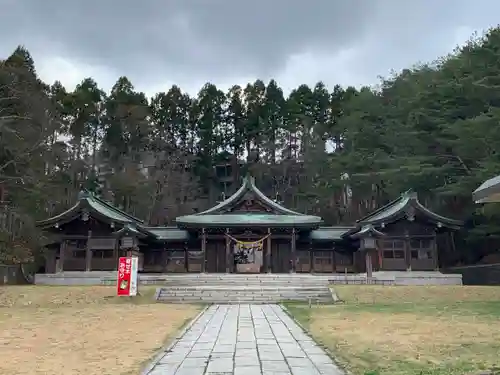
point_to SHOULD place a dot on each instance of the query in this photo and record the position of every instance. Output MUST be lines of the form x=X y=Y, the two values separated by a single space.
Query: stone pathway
x=245 y=340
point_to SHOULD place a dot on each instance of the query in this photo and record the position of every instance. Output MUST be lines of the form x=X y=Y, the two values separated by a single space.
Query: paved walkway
x=245 y=340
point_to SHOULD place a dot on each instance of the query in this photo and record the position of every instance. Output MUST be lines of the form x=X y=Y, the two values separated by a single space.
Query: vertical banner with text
x=127 y=276
x=134 y=276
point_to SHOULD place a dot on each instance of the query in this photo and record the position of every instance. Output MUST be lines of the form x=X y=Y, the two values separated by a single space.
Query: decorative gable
x=250 y=203
x=249 y=198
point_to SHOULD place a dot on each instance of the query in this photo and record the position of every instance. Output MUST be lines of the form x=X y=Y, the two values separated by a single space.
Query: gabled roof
x=261 y=220
x=130 y=230
x=406 y=205
x=166 y=233
x=488 y=191
x=367 y=231
x=87 y=202
x=248 y=185
x=329 y=233
x=275 y=216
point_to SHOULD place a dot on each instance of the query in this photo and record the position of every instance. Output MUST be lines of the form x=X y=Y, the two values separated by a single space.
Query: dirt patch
x=81 y=330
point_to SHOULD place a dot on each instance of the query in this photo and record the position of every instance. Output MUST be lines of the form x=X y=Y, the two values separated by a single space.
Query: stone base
x=399 y=278
x=251 y=277
x=248 y=268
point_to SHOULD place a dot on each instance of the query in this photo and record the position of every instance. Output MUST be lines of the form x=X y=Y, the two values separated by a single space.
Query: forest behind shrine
x=337 y=153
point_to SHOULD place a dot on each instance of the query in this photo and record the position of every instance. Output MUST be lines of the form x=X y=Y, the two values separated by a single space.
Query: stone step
x=245 y=287
x=225 y=294
x=243 y=301
x=233 y=299
x=243 y=294
x=218 y=282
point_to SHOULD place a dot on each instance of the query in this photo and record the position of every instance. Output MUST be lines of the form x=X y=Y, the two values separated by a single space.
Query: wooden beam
x=62 y=255
x=203 y=250
x=407 y=250
x=228 y=252
x=186 y=256
x=435 y=252
x=311 y=258
x=268 y=251
x=369 y=266
x=88 y=253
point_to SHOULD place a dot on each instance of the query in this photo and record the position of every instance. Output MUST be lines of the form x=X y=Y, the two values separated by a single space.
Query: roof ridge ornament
x=410 y=213
x=84 y=193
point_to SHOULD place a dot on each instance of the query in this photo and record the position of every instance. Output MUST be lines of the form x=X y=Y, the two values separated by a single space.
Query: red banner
x=123 y=279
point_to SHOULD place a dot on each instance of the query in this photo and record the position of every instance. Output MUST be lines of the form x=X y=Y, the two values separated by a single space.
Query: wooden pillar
x=164 y=260
x=62 y=255
x=293 y=252
x=50 y=260
x=88 y=252
x=203 y=250
x=311 y=258
x=186 y=257
x=228 y=253
x=407 y=251
x=116 y=252
x=268 y=251
x=369 y=265
x=435 y=255
x=334 y=259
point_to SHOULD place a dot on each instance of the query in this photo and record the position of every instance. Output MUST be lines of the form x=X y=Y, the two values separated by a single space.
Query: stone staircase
x=231 y=288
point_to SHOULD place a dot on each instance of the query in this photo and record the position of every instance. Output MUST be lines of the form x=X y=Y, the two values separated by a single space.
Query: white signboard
x=134 y=276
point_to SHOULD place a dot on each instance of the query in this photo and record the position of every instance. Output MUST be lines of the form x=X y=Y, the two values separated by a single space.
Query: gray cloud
x=215 y=39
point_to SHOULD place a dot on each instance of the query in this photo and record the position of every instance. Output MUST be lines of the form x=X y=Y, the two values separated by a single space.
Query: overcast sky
x=188 y=42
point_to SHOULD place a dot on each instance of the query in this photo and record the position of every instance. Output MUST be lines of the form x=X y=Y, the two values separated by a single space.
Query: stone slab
x=245 y=339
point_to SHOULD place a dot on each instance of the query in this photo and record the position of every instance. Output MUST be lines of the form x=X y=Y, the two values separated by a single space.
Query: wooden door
x=216 y=257
x=323 y=261
x=195 y=261
x=280 y=257
x=303 y=262
x=176 y=261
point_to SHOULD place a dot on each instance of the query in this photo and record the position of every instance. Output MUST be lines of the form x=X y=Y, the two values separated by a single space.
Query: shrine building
x=248 y=233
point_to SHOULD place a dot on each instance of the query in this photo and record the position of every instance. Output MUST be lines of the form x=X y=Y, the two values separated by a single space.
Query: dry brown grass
x=354 y=294
x=406 y=330
x=82 y=330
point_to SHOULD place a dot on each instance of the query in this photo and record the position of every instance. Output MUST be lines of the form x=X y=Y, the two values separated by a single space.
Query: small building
x=247 y=232
x=488 y=191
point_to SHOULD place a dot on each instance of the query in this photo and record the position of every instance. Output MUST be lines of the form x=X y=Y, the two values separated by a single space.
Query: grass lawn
x=83 y=330
x=409 y=330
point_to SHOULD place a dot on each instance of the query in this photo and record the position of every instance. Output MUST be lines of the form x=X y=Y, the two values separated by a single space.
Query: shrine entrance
x=280 y=257
x=216 y=257
x=248 y=256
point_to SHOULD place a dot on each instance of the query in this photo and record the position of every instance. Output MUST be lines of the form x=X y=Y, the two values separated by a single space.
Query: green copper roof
x=406 y=205
x=329 y=233
x=131 y=230
x=248 y=185
x=488 y=191
x=275 y=216
x=249 y=219
x=368 y=231
x=167 y=233
x=93 y=205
